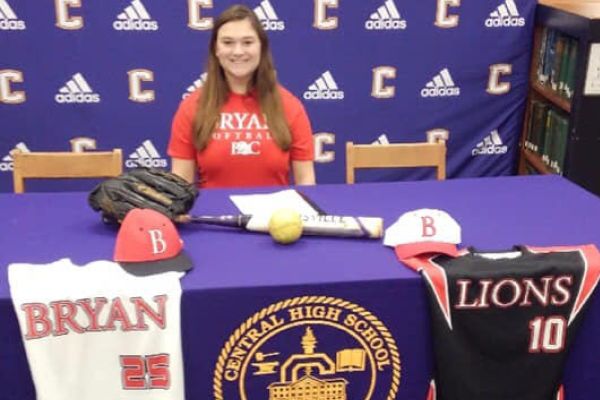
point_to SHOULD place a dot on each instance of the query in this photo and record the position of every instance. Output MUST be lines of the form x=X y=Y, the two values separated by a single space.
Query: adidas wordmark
x=146 y=155
x=324 y=88
x=505 y=15
x=386 y=17
x=7 y=161
x=6 y=164
x=77 y=90
x=8 y=19
x=268 y=17
x=135 y=17
x=442 y=85
x=491 y=144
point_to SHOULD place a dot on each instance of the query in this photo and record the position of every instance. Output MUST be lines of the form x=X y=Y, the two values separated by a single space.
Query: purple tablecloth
x=237 y=274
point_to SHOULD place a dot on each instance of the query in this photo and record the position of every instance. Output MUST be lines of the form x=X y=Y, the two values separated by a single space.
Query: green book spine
x=528 y=142
x=548 y=58
x=558 y=53
x=555 y=149
x=540 y=128
x=564 y=61
x=572 y=67
x=545 y=151
x=563 y=140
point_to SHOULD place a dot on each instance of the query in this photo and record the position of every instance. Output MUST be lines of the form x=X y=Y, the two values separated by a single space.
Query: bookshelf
x=561 y=129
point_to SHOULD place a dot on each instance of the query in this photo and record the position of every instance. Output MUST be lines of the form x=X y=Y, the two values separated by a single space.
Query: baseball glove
x=151 y=188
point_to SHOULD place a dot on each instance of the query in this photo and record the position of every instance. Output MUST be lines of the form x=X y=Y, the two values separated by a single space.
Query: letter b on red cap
x=158 y=243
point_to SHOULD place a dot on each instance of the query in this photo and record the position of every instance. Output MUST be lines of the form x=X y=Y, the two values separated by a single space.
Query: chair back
x=92 y=164
x=397 y=155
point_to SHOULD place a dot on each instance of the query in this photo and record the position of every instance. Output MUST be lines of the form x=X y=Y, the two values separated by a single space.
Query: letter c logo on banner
x=63 y=19
x=322 y=21
x=494 y=84
x=136 y=76
x=321 y=139
x=195 y=20
x=82 y=143
x=442 y=19
x=7 y=95
x=378 y=90
x=436 y=134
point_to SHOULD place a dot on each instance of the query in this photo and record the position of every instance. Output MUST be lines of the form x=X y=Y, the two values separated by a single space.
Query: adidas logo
x=491 y=144
x=8 y=19
x=386 y=17
x=324 y=88
x=135 y=17
x=268 y=17
x=7 y=161
x=77 y=90
x=198 y=83
x=381 y=139
x=505 y=15
x=441 y=85
x=146 y=155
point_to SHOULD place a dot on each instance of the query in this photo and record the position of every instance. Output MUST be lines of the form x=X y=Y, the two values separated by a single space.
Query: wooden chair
x=92 y=164
x=422 y=154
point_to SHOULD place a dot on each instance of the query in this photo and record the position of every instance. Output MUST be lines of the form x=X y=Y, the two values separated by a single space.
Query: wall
x=78 y=74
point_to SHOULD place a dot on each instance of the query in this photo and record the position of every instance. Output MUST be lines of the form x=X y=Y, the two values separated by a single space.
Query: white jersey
x=95 y=332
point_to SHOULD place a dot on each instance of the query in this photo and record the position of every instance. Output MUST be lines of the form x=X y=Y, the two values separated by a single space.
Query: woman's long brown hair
x=215 y=90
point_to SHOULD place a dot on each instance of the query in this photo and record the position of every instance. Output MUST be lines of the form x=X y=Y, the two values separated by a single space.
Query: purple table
x=242 y=280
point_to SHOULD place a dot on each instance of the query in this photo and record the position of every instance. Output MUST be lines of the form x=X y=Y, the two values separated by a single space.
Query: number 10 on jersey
x=547 y=335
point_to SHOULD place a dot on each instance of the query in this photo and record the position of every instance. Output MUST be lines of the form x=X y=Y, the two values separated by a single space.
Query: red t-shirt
x=241 y=151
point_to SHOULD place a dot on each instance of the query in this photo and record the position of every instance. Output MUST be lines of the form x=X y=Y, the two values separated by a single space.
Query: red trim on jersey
x=437 y=280
x=589 y=282
x=591 y=273
x=431 y=393
x=560 y=393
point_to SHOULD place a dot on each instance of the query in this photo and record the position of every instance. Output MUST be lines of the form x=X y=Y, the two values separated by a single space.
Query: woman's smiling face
x=238 y=50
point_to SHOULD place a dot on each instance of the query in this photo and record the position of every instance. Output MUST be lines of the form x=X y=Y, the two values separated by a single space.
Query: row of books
x=557 y=62
x=547 y=134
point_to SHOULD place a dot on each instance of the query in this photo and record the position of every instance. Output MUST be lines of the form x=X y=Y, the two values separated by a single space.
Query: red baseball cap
x=148 y=243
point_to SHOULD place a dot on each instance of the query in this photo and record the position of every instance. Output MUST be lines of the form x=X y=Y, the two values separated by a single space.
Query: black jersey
x=503 y=322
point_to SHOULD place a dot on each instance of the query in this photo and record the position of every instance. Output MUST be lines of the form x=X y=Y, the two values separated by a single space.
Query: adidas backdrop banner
x=77 y=75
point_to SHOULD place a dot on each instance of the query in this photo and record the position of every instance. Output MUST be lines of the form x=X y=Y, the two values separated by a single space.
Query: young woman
x=241 y=128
